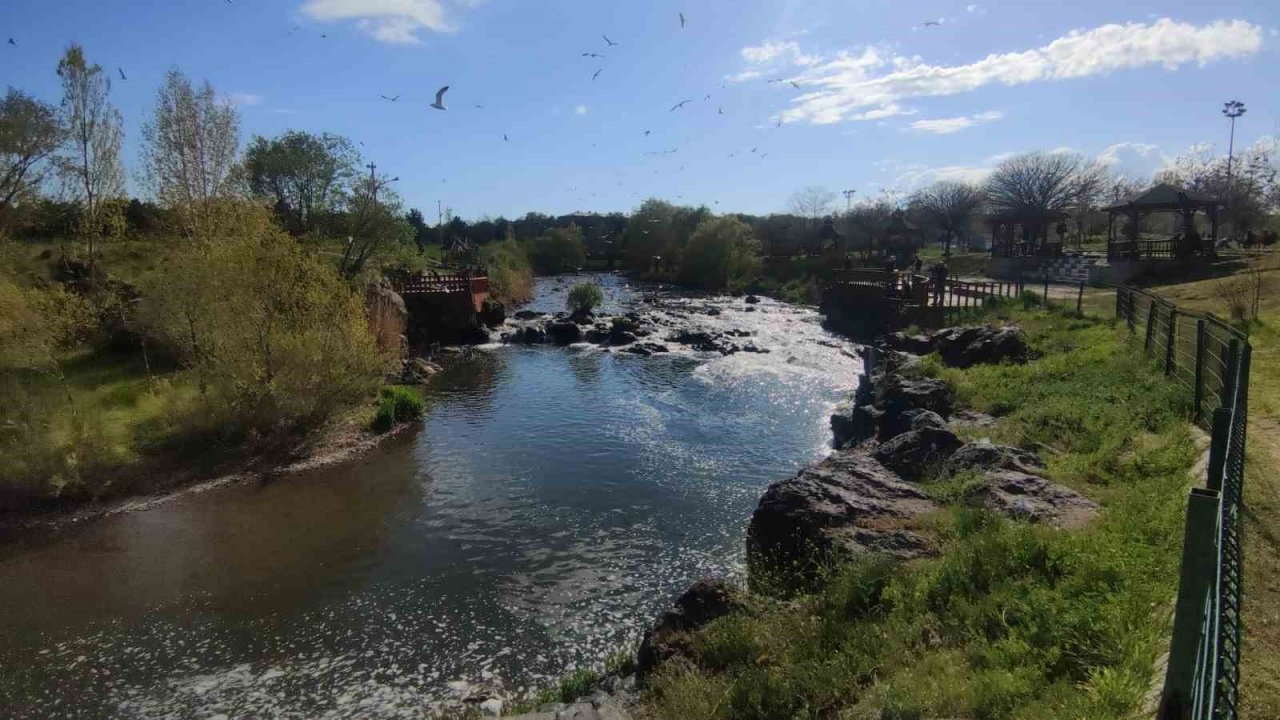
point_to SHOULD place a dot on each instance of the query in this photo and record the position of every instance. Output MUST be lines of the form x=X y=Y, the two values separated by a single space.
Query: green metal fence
x=1211 y=359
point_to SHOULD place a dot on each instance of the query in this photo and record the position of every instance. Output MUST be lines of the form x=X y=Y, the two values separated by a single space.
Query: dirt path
x=1260 y=662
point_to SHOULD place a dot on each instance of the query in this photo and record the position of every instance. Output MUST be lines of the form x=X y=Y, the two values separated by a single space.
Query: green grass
x=396 y=404
x=1011 y=620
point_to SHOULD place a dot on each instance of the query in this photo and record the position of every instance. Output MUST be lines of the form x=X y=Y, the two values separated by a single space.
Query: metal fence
x=1211 y=359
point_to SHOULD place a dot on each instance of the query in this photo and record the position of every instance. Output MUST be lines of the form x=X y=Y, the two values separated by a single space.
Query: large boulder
x=913 y=452
x=492 y=313
x=971 y=345
x=529 y=335
x=847 y=504
x=621 y=337
x=982 y=456
x=703 y=602
x=563 y=332
x=698 y=340
x=527 y=314
x=902 y=394
x=892 y=426
x=914 y=344
x=1029 y=497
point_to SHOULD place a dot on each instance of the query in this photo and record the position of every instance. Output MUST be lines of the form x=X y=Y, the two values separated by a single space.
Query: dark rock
x=1029 y=497
x=527 y=314
x=914 y=344
x=901 y=394
x=986 y=456
x=597 y=334
x=653 y=347
x=698 y=340
x=582 y=316
x=703 y=602
x=563 y=333
x=621 y=337
x=738 y=333
x=713 y=311
x=913 y=452
x=969 y=418
x=530 y=335
x=892 y=426
x=966 y=346
x=752 y=300
x=753 y=348
x=492 y=313
x=750 y=309
x=639 y=350
x=848 y=503
x=417 y=370
x=625 y=324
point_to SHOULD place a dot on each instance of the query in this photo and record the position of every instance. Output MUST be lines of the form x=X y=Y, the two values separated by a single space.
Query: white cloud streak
x=397 y=22
x=946 y=126
x=849 y=84
x=579 y=109
x=244 y=99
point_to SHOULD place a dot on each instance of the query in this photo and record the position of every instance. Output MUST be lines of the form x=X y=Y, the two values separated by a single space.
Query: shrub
x=584 y=297
x=510 y=275
x=397 y=405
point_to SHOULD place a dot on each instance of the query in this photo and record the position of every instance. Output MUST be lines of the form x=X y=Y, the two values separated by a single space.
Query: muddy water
x=552 y=502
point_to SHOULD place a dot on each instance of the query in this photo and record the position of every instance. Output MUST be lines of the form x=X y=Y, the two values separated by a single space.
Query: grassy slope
x=1260 y=669
x=1013 y=620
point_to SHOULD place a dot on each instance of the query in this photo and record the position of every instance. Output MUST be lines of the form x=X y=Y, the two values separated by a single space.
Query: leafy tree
x=584 y=297
x=948 y=205
x=559 y=250
x=190 y=150
x=721 y=254
x=421 y=233
x=30 y=132
x=90 y=160
x=275 y=337
x=373 y=219
x=144 y=218
x=308 y=177
x=510 y=275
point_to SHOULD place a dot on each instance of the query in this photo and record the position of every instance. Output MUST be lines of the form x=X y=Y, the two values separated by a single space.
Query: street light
x=1232 y=109
x=848 y=199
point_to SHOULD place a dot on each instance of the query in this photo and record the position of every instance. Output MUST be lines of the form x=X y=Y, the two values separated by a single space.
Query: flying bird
x=764 y=156
x=480 y=106
x=779 y=122
x=754 y=149
x=596 y=74
x=719 y=111
x=774 y=80
x=932 y=23
x=390 y=99
x=794 y=84
x=122 y=75
x=646 y=133
x=294 y=30
x=708 y=97
x=439 y=103
x=679 y=105
x=11 y=42
x=592 y=55
x=323 y=36
x=681 y=20
x=607 y=40
x=505 y=138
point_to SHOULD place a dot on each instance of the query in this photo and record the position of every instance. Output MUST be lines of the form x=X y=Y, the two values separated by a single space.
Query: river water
x=553 y=501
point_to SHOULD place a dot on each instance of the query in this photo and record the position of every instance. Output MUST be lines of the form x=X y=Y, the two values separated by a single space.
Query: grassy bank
x=1011 y=620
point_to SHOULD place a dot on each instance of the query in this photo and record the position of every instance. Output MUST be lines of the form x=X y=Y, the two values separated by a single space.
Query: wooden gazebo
x=1024 y=233
x=1163 y=198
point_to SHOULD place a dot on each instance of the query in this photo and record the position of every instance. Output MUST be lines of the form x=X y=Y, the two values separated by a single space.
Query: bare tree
x=950 y=205
x=29 y=133
x=90 y=161
x=190 y=151
x=811 y=203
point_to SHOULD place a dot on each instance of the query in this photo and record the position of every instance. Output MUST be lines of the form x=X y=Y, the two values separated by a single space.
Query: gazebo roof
x=1166 y=197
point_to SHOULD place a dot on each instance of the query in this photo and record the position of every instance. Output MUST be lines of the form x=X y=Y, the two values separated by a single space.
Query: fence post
x=1151 y=316
x=1080 y=300
x=1195 y=591
x=1044 y=298
x=1220 y=430
x=1230 y=365
x=1199 y=407
x=1119 y=302
x=1169 y=340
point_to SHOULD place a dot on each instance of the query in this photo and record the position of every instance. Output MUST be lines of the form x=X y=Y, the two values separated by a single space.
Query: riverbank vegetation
x=1011 y=619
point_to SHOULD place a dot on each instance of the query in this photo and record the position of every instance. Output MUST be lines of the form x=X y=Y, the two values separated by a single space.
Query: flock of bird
x=439 y=102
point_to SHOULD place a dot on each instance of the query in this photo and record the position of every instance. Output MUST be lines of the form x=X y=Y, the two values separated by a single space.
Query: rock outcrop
x=984 y=456
x=971 y=345
x=563 y=332
x=912 y=453
x=703 y=602
x=1030 y=497
x=848 y=503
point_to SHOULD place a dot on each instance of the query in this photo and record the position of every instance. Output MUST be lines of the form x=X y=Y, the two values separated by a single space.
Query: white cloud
x=851 y=83
x=579 y=109
x=772 y=50
x=390 y=21
x=244 y=99
x=972 y=8
x=946 y=126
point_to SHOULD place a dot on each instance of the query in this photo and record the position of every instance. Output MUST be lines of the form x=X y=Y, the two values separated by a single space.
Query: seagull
x=592 y=55
x=681 y=20
x=439 y=103
x=719 y=111
x=323 y=36
x=779 y=122
x=504 y=137
x=361 y=143
x=764 y=156
x=596 y=74
x=646 y=133
x=480 y=106
x=294 y=30
x=934 y=23
x=708 y=97
x=774 y=80
x=11 y=42
x=679 y=105
x=122 y=75
x=794 y=84
x=754 y=149
x=607 y=40
x=390 y=99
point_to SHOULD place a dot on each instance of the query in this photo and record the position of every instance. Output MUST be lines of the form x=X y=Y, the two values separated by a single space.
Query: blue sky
x=884 y=101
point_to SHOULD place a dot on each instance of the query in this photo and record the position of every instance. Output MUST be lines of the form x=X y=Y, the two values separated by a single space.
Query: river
x=552 y=502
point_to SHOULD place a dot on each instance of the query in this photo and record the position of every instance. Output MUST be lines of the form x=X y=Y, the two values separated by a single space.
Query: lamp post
x=1231 y=109
x=848 y=199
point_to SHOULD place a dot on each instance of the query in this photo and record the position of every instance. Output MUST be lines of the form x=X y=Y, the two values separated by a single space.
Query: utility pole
x=440 y=222
x=1232 y=109
x=848 y=200
x=373 y=182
